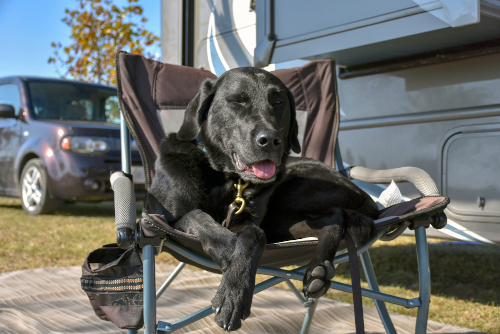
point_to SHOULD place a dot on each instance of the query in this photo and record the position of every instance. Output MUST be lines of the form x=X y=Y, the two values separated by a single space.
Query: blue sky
x=27 y=27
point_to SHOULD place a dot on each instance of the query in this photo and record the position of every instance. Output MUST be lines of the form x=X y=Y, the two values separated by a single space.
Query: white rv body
x=419 y=83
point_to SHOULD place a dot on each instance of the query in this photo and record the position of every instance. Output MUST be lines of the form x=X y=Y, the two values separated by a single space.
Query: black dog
x=240 y=128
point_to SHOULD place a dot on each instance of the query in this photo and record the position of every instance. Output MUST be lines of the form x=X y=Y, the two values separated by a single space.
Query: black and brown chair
x=153 y=97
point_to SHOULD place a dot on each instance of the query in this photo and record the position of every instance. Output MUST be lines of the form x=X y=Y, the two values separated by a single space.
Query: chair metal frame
x=150 y=249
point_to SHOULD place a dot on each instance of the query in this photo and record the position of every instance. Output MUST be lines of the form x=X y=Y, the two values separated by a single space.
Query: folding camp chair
x=153 y=97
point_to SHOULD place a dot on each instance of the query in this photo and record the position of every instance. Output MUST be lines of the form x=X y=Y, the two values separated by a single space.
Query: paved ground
x=49 y=300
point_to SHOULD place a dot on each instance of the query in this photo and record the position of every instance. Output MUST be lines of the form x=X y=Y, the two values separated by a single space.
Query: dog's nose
x=268 y=139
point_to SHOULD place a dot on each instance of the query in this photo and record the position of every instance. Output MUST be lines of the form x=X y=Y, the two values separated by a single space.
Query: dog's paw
x=317 y=279
x=232 y=302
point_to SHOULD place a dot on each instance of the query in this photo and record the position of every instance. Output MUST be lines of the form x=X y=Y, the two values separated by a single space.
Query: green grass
x=61 y=239
x=465 y=278
x=465 y=281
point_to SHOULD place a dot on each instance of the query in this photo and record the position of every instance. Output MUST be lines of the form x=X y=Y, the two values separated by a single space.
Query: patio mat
x=49 y=300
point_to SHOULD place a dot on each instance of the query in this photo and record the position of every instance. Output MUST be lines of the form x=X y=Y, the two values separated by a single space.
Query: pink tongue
x=264 y=169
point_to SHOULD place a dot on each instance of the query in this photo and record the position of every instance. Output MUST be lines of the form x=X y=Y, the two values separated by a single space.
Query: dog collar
x=198 y=142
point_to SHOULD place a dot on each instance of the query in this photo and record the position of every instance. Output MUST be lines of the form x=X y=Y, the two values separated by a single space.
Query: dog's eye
x=240 y=102
x=278 y=102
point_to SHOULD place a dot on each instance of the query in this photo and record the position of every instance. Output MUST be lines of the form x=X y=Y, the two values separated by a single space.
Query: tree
x=99 y=29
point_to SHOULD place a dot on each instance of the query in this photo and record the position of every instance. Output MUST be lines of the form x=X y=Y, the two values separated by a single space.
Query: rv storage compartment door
x=471 y=175
x=362 y=31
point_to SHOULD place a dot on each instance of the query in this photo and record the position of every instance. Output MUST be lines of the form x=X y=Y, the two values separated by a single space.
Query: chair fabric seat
x=292 y=252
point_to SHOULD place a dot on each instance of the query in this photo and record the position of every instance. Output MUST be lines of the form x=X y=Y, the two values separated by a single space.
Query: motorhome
x=419 y=82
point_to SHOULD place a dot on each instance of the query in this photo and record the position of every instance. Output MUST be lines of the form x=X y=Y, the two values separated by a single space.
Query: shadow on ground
x=90 y=209
x=66 y=208
x=11 y=204
x=467 y=272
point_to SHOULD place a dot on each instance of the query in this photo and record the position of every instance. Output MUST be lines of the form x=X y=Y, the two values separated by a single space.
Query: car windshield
x=74 y=101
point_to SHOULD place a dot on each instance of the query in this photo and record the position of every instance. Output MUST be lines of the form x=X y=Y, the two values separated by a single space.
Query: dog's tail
x=361 y=227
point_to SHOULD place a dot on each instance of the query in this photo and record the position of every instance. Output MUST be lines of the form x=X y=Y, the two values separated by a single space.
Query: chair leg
x=311 y=308
x=148 y=261
x=373 y=284
x=170 y=279
x=424 y=276
x=295 y=291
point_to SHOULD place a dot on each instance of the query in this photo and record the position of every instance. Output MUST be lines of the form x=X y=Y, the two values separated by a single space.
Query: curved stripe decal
x=456 y=228
x=216 y=61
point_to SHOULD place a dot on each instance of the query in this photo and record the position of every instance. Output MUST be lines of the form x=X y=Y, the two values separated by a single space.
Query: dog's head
x=246 y=121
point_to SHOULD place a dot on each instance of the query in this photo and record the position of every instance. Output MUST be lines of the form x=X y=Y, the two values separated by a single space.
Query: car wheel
x=35 y=198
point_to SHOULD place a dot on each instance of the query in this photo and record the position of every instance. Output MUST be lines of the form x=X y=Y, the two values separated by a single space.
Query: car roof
x=35 y=78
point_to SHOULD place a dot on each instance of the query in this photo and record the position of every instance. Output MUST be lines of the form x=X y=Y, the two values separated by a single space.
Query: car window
x=9 y=94
x=112 y=109
x=73 y=101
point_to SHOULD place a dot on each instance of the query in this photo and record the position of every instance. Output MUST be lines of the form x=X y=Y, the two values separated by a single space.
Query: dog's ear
x=293 y=130
x=197 y=111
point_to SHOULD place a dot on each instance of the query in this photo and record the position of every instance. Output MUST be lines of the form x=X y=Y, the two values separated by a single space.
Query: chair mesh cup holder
x=112 y=278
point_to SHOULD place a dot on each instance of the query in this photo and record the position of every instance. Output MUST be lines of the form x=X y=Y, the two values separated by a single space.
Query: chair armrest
x=125 y=208
x=422 y=181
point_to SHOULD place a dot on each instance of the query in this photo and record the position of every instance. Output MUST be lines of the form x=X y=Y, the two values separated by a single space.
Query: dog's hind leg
x=320 y=270
x=329 y=231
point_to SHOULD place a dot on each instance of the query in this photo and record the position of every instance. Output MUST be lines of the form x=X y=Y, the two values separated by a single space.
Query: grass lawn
x=465 y=278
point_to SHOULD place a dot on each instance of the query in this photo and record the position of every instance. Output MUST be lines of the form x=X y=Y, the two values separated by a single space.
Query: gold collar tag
x=239 y=196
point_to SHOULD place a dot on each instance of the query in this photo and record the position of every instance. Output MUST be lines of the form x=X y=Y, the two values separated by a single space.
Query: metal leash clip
x=239 y=196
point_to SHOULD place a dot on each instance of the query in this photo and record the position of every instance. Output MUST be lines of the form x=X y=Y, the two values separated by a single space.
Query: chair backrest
x=153 y=97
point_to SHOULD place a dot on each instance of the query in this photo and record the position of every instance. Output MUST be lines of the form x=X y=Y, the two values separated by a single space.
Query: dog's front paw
x=232 y=301
x=317 y=279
